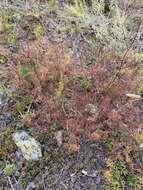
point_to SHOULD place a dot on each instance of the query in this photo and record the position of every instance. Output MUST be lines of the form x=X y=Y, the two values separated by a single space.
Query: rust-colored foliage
x=38 y=63
x=88 y=103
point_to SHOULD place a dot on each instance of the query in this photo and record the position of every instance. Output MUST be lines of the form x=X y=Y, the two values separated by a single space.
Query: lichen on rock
x=31 y=149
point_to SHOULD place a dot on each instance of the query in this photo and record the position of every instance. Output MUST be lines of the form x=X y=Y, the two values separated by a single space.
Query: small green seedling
x=21 y=105
x=132 y=180
x=122 y=177
x=3 y=59
x=24 y=71
x=85 y=83
x=12 y=39
x=109 y=144
x=59 y=90
x=121 y=168
x=39 y=31
x=9 y=169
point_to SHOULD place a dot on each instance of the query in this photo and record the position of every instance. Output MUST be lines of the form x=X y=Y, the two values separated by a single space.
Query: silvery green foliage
x=9 y=169
x=118 y=31
x=97 y=7
x=99 y=24
x=109 y=30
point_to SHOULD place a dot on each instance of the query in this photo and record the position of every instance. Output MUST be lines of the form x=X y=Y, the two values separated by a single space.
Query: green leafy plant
x=71 y=28
x=9 y=169
x=109 y=144
x=121 y=168
x=121 y=176
x=39 y=31
x=25 y=71
x=85 y=83
x=22 y=105
x=12 y=39
x=3 y=59
x=6 y=27
x=52 y=6
x=5 y=21
x=60 y=88
x=140 y=89
x=82 y=10
x=109 y=30
x=132 y=180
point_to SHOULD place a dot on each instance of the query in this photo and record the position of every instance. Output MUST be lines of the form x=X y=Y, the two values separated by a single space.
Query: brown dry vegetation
x=62 y=87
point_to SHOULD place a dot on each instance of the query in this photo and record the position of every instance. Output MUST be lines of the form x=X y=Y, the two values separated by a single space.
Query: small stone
x=91 y=108
x=84 y=172
x=59 y=138
x=31 y=186
x=1 y=96
x=141 y=145
x=30 y=148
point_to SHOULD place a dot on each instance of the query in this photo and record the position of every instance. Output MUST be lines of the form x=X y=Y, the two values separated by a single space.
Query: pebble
x=1 y=96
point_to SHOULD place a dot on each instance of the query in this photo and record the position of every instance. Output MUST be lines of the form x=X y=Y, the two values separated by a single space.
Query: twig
x=123 y=59
x=133 y=96
x=10 y=183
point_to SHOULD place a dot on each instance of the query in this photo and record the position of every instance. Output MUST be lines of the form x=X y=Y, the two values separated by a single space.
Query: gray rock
x=30 y=148
x=1 y=96
x=59 y=138
x=91 y=108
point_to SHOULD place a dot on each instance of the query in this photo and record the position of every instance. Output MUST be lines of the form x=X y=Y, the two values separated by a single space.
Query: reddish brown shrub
x=88 y=97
